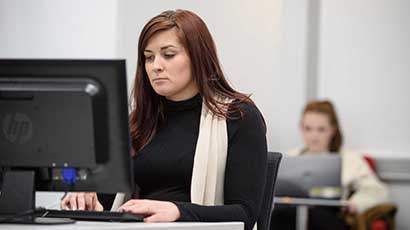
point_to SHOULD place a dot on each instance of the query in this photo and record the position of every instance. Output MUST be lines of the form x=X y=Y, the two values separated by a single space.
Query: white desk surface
x=89 y=225
x=309 y=201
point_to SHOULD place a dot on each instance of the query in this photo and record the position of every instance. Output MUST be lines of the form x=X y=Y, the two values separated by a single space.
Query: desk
x=91 y=225
x=302 y=205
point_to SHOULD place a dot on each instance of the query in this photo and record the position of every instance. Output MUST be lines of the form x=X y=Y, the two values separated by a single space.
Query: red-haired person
x=362 y=189
x=199 y=146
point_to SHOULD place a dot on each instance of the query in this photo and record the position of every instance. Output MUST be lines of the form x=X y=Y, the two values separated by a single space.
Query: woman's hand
x=350 y=208
x=81 y=201
x=156 y=211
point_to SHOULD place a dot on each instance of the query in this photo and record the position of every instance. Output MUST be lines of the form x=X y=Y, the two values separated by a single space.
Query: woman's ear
x=301 y=126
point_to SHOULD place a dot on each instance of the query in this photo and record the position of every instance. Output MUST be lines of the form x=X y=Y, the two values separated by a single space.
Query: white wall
x=58 y=29
x=364 y=68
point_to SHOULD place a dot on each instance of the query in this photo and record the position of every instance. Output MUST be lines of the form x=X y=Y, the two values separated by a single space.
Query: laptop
x=308 y=176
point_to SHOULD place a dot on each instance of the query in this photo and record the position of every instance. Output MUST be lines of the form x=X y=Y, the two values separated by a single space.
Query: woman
x=199 y=146
x=361 y=187
x=322 y=134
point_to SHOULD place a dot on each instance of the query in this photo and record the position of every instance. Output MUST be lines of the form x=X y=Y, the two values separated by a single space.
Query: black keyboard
x=94 y=215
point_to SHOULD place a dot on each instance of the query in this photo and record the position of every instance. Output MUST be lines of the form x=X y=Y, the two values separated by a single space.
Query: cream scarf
x=208 y=174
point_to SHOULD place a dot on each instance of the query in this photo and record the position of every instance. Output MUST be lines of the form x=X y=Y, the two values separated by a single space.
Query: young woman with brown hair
x=199 y=146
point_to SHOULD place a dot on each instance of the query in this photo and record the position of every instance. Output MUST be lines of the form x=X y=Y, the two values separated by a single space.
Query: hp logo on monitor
x=17 y=128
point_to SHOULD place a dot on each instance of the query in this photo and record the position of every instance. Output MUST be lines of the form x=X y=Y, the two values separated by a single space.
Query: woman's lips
x=159 y=79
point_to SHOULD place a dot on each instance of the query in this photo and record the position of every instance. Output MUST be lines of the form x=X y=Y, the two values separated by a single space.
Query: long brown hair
x=147 y=107
x=327 y=108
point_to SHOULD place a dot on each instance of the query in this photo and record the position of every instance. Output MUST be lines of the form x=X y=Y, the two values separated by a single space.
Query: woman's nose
x=157 y=65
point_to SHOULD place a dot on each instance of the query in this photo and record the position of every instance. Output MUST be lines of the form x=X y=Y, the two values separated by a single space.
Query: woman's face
x=169 y=67
x=317 y=132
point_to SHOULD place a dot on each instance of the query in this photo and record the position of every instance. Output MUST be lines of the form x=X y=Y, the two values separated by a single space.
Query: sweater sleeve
x=367 y=189
x=106 y=200
x=245 y=174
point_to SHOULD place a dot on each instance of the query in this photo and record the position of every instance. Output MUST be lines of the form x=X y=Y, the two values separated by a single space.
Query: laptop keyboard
x=94 y=215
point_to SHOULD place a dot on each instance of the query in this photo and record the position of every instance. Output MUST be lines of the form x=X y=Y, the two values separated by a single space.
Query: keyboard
x=94 y=215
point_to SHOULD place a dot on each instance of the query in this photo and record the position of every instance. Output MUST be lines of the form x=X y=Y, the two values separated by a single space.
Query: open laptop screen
x=310 y=176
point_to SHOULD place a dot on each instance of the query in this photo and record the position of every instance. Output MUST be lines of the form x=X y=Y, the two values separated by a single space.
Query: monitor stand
x=17 y=200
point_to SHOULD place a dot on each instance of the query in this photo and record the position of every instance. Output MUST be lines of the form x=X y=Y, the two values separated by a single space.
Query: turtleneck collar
x=188 y=104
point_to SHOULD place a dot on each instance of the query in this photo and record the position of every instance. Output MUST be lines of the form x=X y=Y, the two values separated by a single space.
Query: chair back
x=273 y=159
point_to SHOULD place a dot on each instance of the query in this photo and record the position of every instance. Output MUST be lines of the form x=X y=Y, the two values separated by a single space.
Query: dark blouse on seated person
x=163 y=168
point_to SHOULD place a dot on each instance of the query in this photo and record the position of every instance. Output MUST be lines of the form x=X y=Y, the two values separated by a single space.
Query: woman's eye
x=149 y=58
x=169 y=55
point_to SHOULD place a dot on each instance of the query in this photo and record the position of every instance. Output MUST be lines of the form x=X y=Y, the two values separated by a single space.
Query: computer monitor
x=307 y=176
x=64 y=123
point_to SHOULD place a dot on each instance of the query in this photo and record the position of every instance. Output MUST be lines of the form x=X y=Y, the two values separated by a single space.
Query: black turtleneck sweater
x=163 y=169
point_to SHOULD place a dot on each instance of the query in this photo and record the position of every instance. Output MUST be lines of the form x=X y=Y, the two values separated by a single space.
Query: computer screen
x=310 y=176
x=66 y=123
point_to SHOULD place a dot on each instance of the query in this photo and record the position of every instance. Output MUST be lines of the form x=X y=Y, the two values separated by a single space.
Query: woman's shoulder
x=248 y=108
x=246 y=115
x=345 y=153
x=294 y=152
x=352 y=158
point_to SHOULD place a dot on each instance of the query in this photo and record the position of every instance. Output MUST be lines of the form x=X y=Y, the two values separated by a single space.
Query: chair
x=273 y=160
x=380 y=217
